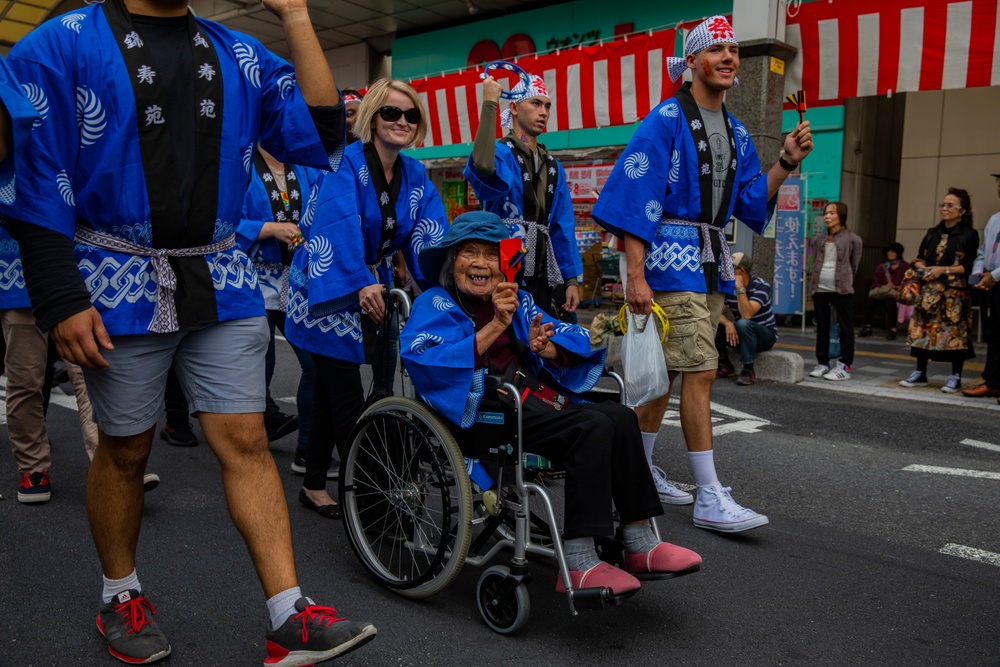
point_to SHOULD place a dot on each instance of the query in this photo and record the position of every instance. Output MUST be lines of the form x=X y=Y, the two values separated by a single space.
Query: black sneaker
x=181 y=436
x=133 y=636
x=279 y=425
x=746 y=377
x=299 y=467
x=315 y=634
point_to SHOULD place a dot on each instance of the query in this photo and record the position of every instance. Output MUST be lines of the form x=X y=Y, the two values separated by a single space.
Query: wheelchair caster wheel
x=504 y=613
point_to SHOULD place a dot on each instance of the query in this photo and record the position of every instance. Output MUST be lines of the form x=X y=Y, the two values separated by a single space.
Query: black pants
x=989 y=311
x=886 y=306
x=600 y=446
x=338 y=398
x=824 y=302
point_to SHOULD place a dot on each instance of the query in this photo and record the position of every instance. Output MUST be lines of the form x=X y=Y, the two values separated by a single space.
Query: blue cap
x=471 y=226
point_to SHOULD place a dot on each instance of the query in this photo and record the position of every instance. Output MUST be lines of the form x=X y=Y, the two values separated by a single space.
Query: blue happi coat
x=85 y=166
x=438 y=347
x=503 y=194
x=266 y=254
x=22 y=116
x=656 y=178
x=343 y=237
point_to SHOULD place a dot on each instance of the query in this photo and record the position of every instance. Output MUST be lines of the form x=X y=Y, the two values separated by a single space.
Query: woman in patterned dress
x=942 y=317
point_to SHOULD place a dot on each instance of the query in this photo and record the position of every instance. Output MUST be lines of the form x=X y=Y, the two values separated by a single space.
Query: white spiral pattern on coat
x=90 y=116
x=636 y=165
x=670 y=110
x=320 y=256
x=248 y=158
x=65 y=188
x=426 y=233
x=286 y=84
x=442 y=303
x=415 y=197
x=654 y=211
x=423 y=341
x=73 y=21
x=674 y=175
x=37 y=97
x=247 y=59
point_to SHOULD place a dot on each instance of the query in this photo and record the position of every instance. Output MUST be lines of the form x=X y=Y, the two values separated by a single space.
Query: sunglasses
x=392 y=114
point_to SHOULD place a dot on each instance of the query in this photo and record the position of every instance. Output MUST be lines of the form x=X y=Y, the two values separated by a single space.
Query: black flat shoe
x=891 y=335
x=325 y=511
x=865 y=332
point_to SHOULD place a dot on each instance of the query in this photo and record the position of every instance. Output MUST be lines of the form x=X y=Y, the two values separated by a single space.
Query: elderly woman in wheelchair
x=474 y=323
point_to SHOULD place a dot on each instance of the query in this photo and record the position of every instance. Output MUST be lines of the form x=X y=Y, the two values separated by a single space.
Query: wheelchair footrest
x=657 y=576
x=593 y=599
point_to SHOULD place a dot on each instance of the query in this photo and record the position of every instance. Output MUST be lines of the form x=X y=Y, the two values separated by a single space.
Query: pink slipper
x=664 y=558
x=601 y=575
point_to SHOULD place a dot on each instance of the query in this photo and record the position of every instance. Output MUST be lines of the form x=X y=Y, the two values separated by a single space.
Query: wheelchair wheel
x=406 y=498
x=505 y=614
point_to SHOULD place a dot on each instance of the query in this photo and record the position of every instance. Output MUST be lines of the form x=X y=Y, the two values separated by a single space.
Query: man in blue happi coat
x=130 y=197
x=686 y=171
x=520 y=181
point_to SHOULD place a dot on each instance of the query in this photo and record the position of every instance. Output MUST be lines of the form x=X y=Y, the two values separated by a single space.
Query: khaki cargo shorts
x=693 y=317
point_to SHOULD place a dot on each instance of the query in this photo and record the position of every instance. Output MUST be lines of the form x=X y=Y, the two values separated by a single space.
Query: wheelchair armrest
x=493 y=382
x=620 y=381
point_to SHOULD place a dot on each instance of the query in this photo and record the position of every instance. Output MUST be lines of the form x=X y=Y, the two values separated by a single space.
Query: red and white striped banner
x=856 y=48
x=616 y=83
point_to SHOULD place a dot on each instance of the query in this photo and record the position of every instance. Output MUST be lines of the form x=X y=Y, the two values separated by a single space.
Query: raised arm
x=312 y=73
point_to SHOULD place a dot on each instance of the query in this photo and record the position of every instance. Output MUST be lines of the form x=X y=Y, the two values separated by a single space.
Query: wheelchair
x=414 y=517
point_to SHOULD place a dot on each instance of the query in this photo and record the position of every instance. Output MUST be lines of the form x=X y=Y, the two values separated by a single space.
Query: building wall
x=949 y=140
x=447 y=50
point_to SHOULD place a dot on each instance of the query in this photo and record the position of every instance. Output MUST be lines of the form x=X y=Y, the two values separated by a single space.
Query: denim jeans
x=754 y=338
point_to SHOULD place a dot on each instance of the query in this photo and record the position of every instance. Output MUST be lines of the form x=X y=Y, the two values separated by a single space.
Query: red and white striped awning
x=615 y=83
x=856 y=48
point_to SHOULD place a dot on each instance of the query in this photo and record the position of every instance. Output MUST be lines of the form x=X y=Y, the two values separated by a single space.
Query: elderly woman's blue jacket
x=438 y=347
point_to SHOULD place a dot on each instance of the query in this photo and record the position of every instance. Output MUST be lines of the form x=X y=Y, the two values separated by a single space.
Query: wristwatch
x=742 y=290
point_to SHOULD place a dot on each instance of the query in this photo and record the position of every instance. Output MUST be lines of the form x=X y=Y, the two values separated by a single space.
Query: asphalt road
x=856 y=566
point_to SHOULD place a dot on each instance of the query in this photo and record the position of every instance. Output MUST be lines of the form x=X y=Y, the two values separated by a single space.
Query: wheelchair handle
x=404 y=301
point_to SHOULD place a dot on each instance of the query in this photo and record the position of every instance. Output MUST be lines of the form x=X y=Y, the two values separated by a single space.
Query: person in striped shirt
x=752 y=328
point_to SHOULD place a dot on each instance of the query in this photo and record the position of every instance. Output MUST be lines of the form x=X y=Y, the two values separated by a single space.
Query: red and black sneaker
x=313 y=635
x=133 y=636
x=34 y=488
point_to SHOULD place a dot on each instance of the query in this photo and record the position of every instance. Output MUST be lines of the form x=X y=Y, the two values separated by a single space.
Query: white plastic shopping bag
x=644 y=368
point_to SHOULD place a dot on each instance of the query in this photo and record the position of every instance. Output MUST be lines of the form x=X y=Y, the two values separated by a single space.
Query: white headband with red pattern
x=713 y=30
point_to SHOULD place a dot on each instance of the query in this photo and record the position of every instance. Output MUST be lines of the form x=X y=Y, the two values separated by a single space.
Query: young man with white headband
x=520 y=181
x=688 y=168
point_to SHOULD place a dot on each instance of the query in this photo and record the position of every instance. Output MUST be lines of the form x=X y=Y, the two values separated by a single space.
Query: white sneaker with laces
x=953 y=385
x=715 y=509
x=819 y=371
x=669 y=494
x=916 y=379
x=838 y=372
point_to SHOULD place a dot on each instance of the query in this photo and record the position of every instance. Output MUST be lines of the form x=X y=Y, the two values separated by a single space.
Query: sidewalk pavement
x=879 y=365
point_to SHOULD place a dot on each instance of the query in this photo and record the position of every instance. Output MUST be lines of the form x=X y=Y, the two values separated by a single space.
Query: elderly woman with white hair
x=475 y=322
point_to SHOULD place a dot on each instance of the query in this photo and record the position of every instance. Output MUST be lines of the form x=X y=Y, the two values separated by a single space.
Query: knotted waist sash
x=165 y=312
x=532 y=230
x=714 y=251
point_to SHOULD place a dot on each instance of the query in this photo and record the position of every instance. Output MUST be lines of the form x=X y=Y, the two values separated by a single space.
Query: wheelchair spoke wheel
x=505 y=612
x=406 y=498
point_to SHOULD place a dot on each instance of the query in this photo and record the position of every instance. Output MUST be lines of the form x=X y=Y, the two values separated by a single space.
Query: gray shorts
x=220 y=368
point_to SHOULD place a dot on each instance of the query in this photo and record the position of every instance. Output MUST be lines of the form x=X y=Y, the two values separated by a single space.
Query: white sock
x=281 y=607
x=112 y=587
x=703 y=465
x=648 y=441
